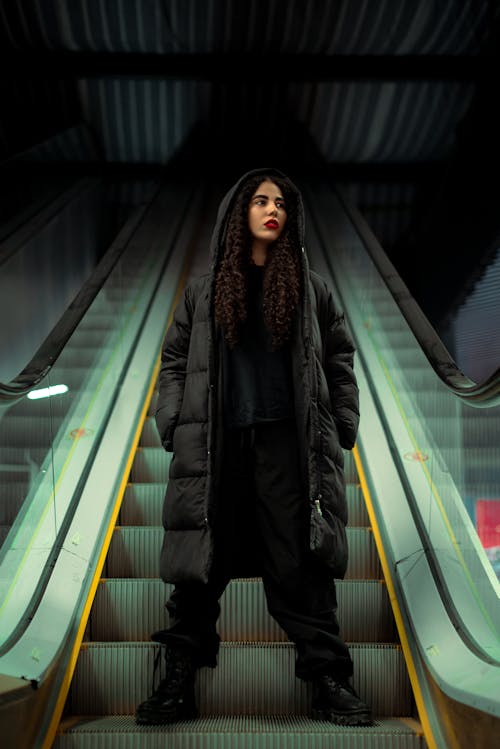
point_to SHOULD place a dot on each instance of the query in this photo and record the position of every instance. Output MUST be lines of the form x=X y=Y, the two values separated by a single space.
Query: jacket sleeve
x=338 y=363
x=172 y=375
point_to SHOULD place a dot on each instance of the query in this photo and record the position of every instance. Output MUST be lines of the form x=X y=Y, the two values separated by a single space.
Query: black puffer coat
x=189 y=414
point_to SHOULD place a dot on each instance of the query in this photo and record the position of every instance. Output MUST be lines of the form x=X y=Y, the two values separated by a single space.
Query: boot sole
x=162 y=719
x=343 y=719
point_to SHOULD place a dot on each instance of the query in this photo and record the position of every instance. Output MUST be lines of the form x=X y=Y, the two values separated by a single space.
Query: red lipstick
x=272 y=224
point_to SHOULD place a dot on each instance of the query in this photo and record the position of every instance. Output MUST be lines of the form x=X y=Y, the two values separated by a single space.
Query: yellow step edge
x=405 y=645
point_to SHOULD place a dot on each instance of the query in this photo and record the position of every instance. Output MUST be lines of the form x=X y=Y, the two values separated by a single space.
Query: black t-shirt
x=257 y=379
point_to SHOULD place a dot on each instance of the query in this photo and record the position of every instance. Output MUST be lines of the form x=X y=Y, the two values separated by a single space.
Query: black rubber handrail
x=51 y=348
x=479 y=394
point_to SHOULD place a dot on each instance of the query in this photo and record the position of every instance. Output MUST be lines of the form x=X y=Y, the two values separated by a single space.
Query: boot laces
x=177 y=668
x=156 y=667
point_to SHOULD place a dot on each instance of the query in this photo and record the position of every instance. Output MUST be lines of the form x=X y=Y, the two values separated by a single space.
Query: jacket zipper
x=317 y=431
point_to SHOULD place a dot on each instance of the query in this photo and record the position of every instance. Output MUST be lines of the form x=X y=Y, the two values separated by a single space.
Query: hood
x=227 y=202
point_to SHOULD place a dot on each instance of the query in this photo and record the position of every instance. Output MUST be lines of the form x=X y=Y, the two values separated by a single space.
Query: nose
x=273 y=209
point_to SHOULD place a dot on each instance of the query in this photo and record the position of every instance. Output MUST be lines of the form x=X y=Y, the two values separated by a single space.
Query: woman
x=257 y=398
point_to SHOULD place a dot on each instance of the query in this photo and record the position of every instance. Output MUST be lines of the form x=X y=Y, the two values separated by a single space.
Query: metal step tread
x=112 y=678
x=151 y=464
x=143 y=503
x=130 y=609
x=238 y=731
x=135 y=552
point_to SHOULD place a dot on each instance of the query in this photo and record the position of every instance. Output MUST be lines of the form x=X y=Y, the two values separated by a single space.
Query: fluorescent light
x=47 y=392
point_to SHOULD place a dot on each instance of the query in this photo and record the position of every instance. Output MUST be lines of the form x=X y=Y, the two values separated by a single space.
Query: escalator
x=253 y=699
x=49 y=446
x=253 y=690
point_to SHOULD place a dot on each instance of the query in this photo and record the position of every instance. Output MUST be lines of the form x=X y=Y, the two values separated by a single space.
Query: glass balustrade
x=48 y=437
x=455 y=446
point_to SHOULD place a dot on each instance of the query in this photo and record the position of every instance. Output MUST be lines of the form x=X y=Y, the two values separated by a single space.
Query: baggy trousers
x=263 y=516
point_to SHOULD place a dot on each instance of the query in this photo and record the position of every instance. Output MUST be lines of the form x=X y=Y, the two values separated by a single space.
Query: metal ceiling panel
x=347 y=27
x=382 y=122
x=141 y=121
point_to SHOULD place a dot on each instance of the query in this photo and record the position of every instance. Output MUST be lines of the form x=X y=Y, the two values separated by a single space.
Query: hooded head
x=231 y=259
x=237 y=200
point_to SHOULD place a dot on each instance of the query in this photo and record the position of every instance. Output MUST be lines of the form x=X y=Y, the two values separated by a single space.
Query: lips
x=272 y=224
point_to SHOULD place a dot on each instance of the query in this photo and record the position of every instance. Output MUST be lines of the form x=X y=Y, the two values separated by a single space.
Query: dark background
x=396 y=99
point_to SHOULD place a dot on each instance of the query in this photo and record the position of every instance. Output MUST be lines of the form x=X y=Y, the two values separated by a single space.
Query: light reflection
x=47 y=392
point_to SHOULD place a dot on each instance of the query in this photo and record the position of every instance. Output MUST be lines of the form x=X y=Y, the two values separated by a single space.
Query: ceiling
x=395 y=97
x=368 y=82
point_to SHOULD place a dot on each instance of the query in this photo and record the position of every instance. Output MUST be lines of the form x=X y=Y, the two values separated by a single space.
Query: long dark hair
x=282 y=277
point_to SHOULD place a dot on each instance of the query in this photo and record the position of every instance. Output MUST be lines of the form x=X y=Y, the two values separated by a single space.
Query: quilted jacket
x=189 y=412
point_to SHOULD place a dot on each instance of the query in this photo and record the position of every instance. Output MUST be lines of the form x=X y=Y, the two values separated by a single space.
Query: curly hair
x=282 y=277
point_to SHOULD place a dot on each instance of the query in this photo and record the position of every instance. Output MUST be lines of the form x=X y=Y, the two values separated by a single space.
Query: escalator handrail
x=479 y=394
x=49 y=351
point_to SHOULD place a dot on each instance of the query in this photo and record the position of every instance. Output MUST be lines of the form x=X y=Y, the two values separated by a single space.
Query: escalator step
x=151 y=465
x=356 y=508
x=25 y=432
x=12 y=494
x=130 y=610
x=84 y=358
x=237 y=732
x=97 y=321
x=254 y=678
x=26 y=461
x=135 y=552
x=90 y=338
x=142 y=505
x=150 y=436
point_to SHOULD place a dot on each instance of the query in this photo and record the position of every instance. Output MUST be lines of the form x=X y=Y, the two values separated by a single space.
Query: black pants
x=263 y=519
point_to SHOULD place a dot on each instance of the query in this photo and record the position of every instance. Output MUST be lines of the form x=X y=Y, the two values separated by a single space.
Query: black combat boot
x=174 y=699
x=337 y=702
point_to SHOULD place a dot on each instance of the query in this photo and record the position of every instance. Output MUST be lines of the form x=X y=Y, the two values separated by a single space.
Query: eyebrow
x=278 y=197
